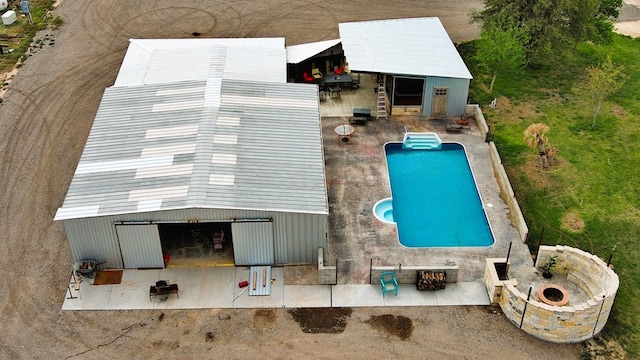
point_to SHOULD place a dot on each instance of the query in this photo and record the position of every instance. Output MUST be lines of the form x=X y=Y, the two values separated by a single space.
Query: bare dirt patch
x=264 y=318
x=512 y=113
x=604 y=349
x=322 y=320
x=535 y=173
x=400 y=326
x=571 y=221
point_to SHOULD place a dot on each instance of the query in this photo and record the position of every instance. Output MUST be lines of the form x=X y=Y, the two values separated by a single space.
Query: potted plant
x=552 y=260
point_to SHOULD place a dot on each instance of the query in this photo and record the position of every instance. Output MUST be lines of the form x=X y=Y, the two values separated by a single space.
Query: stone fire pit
x=555 y=315
x=554 y=295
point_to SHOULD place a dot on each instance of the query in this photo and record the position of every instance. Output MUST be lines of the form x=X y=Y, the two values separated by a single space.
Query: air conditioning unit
x=9 y=17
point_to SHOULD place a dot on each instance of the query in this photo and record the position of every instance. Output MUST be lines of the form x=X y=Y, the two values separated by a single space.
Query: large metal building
x=201 y=146
x=420 y=66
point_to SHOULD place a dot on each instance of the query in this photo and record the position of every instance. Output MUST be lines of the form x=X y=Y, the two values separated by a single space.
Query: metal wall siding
x=457 y=98
x=94 y=238
x=302 y=235
x=140 y=246
x=253 y=243
x=296 y=236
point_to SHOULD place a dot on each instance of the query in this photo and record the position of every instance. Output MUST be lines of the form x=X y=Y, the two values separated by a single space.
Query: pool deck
x=357 y=178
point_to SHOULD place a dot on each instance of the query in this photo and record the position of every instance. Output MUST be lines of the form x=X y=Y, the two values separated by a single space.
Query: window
x=408 y=91
x=441 y=92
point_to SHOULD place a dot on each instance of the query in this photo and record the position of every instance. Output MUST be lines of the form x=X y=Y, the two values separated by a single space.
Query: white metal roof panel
x=157 y=61
x=268 y=157
x=416 y=46
x=302 y=52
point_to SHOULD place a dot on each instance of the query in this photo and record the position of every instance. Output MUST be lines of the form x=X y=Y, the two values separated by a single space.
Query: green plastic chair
x=389 y=283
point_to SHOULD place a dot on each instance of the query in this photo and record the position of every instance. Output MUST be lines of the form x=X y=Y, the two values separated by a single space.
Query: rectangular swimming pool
x=435 y=199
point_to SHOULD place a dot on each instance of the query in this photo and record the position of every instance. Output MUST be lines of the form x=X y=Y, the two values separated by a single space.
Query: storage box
x=9 y=17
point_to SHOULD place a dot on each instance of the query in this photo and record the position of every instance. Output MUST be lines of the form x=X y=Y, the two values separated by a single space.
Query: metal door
x=440 y=101
x=140 y=246
x=253 y=243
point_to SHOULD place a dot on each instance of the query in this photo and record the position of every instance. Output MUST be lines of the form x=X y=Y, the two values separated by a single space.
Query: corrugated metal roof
x=302 y=52
x=156 y=61
x=417 y=46
x=202 y=123
x=162 y=146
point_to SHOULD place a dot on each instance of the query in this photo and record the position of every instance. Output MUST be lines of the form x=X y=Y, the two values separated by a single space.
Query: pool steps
x=421 y=140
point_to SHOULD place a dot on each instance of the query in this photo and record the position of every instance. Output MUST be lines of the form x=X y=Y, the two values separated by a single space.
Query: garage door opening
x=197 y=244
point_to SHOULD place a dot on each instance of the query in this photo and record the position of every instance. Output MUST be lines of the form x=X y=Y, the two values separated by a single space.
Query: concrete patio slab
x=357 y=295
x=306 y=296
x=467 y=293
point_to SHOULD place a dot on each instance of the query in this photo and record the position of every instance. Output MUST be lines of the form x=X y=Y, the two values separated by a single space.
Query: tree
x=500 y=50
x=600 y=83
x=592 y=20
x=535 y=136
x=550 y=26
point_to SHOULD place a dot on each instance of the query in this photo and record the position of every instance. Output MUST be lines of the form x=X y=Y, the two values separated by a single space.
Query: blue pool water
x=435 y=198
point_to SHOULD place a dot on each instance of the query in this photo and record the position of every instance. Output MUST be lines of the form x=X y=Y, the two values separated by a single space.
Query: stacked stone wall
x=571 y=323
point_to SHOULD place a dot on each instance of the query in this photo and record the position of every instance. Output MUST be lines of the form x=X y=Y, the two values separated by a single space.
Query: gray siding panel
x=458 y=95
x=95 y=239
x=140 y=246
x=305 y=234
x=296 y=236
x=253 y=243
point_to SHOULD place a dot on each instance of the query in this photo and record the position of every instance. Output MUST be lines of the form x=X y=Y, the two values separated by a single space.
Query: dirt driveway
x=44 y=120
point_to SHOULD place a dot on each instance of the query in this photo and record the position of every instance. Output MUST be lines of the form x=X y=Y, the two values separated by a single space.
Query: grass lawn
x=19 y=35
x=590 y=197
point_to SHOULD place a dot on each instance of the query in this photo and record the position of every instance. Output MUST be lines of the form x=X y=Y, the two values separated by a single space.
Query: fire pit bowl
x=554 y=295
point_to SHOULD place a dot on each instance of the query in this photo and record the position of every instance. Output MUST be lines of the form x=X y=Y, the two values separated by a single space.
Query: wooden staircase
x=381 y=112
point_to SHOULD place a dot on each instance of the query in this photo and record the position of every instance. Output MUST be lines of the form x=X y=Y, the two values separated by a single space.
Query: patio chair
x=316 y=73
x=355 y=81
x=307 y=77
x=389 y=283
x=334 y=90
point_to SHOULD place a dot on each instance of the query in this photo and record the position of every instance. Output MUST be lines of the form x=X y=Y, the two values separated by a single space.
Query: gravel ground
x=45 y=118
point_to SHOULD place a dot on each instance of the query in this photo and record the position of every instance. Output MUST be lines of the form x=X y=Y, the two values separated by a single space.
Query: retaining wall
x=506 y=191
x=408 y=274
x=491 y=281
x=327 y=275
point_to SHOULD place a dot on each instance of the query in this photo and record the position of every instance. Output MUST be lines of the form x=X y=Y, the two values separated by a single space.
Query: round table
x=344 y=132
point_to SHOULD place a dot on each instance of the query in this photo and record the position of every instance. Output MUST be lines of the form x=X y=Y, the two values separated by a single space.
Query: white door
x=140 y=246
x=253 y=243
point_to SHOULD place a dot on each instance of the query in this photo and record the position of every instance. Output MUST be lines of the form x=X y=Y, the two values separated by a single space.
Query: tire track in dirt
x=312 y=14
x=54 y=121
x=34 y=142
x=37 y=277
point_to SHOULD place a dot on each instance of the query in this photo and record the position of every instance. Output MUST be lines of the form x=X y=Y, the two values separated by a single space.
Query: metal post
x=611 y=255
x=525 y=307
x=509 y=251
x=539 y=242
x=598 y=318
x=336 y=271
x=541 y=235
x=370 y=269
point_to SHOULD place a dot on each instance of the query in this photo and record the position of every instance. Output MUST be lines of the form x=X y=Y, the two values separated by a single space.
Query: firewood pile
x=429 y=280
